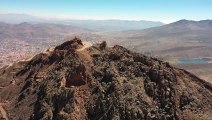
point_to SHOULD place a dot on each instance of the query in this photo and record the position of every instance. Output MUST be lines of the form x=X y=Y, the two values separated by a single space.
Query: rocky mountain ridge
x=101 y=83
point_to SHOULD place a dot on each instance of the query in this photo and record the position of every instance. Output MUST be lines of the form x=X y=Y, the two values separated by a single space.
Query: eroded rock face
x=77 y=78
x=102 y=83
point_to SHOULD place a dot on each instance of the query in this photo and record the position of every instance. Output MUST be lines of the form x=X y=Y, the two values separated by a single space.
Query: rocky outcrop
x=102 y=83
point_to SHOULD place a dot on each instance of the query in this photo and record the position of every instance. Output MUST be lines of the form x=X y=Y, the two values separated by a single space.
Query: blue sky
x=155 y=10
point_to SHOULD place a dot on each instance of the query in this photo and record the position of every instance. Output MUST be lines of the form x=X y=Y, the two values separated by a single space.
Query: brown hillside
x=101 y=83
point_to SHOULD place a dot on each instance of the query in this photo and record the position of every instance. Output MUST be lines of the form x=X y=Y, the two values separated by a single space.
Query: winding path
x=85 y=45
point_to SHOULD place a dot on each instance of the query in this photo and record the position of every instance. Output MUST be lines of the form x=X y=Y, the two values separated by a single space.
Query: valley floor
x=203 y=71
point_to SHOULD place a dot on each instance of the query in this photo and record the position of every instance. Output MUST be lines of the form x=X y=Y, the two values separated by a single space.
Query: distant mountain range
x=201 y=23
x=113 y=25
x=26 y=31
x=25 y=39
x=192 y=38
x=185 y=27
x=98 y=25
x=183 y=39
x=19 y=18
x=187 y=39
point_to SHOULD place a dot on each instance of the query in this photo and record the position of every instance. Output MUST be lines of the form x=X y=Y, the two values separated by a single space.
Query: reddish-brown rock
x=101 y=83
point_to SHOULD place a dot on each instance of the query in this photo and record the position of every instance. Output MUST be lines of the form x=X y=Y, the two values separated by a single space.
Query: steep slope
x=74 y=81
x=181 y=40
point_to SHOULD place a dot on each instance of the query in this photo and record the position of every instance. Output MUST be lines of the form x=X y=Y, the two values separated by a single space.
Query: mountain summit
x=78 y=81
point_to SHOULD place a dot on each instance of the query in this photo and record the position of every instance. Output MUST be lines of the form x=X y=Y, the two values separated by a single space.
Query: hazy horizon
x=55 y=17
x=165 y=11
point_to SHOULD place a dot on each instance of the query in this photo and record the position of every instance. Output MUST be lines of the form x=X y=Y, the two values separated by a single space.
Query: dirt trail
x=1 y=87
x=85 y=45
x=81 y=95
x=3 y=112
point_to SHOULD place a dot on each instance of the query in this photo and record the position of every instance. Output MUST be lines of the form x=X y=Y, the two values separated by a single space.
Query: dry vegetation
x=101 y=82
